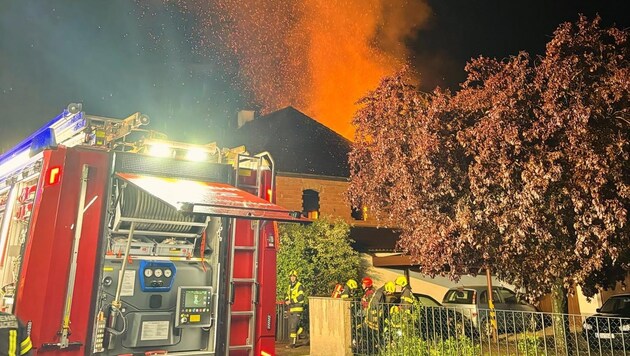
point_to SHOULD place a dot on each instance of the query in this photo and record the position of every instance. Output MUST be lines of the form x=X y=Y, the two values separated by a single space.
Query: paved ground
x=281 y=350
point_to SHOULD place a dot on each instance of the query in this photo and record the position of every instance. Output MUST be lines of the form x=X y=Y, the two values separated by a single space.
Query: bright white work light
x=196 y=154
x=160 y=150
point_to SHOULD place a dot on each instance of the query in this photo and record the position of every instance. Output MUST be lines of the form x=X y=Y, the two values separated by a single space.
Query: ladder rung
x=245 y=248
x=243 y=313
x=243 y=280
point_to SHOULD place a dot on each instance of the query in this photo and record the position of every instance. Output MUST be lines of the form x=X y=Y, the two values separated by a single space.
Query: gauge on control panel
x=156 y=276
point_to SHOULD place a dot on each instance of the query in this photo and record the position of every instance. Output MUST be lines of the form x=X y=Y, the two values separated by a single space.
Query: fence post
x=329 y=326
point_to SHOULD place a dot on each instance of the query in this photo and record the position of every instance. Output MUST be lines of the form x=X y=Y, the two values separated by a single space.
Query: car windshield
x=617 y=305
x=459 y=296
x=483 y=297
x=508 y=296
x=426 y=301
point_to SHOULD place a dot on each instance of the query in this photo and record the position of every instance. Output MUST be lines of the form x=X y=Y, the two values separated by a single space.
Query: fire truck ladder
x=255 y=164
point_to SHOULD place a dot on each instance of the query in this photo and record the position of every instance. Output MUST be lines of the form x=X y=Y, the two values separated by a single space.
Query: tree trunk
x=560 y=309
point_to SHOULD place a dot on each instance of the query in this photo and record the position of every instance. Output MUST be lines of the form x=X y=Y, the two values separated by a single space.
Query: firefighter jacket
x=406 y=298
x=14 y=339
x=374 y=312
x=295 y=297
x=337 y=291
x=367 y=295
x=348 y=293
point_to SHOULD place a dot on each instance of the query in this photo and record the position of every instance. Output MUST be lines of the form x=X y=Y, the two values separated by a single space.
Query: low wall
x=329 y=326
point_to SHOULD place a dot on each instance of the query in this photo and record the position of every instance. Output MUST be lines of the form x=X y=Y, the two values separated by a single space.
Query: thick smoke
x=320 y=56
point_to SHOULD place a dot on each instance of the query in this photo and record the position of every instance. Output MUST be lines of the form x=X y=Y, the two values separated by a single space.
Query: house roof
x=297 y=143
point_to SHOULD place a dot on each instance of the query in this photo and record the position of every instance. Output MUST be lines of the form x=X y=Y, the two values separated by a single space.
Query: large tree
x=524 y=170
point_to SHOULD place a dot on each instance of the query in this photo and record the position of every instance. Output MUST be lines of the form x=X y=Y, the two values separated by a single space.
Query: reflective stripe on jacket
x=347 y=292
x=337 y=292
x=295 y=297
x=374 y=311
x=14 y=339
x=406 y=298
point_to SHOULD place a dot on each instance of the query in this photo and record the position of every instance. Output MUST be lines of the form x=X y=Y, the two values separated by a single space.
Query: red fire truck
x=110 y=246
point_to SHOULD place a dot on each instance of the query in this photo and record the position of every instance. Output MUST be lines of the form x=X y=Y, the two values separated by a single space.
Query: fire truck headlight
x=196 y=155
x=160 y=150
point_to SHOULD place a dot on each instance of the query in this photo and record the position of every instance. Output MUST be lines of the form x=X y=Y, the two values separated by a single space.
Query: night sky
x=174 y=61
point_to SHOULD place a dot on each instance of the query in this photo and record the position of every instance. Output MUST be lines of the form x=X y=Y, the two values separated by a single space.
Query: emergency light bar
x=62 y=127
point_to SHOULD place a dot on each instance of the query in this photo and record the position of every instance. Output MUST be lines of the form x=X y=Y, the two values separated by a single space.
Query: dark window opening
x=310 y=203
x=359 y=213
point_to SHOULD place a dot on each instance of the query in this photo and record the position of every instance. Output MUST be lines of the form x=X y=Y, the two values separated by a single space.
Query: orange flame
x=320 y=56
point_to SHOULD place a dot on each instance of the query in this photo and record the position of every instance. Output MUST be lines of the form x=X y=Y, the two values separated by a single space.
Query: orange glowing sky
x=319 y=56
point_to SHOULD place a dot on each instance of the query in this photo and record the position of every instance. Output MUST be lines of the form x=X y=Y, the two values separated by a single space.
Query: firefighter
x=360 y=331
x=349 y=290
x=14 y=339
x=368 y=291
x=406 y=296
x=337 y=291
x=375 y=314
x=295 y=301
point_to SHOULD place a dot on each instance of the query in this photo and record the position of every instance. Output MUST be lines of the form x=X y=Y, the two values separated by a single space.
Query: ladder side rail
x=257 y=161
x=231 y=240
x=254 y=304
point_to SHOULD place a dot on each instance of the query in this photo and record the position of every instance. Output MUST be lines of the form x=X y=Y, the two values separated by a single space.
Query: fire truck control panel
x=194 y=307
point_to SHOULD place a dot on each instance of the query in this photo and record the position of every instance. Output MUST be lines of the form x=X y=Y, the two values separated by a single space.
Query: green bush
x=405 y=346
x=462 y=346
x=530 y=346
x=321 y=253
x=414 y=345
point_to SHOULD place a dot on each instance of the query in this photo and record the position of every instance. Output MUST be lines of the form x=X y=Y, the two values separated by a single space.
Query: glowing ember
x=320 y=56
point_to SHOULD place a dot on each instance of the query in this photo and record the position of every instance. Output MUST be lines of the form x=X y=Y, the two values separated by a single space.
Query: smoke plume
x=320 y=56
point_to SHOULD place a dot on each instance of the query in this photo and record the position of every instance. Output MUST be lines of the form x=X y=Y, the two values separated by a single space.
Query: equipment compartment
x=175 y=248
x=140 y=246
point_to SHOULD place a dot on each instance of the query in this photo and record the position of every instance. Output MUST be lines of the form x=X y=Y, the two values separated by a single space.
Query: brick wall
x=332 y=194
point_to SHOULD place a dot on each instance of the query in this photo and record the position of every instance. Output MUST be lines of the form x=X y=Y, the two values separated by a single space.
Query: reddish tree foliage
x=525 y=169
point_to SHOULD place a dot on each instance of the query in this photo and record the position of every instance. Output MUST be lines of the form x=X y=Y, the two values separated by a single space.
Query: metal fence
x=433 y=331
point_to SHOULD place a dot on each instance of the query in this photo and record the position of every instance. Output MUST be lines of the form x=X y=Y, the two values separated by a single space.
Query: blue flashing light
x=42 y=138
x=42 y=141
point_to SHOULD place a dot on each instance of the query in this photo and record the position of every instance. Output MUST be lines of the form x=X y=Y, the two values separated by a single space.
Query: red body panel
x=47 y=258
x=266 y=311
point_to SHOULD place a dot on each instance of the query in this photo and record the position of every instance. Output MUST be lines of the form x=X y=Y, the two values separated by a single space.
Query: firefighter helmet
x=367 y=281
x=401 y=281
x=352 y=284
x=390 y=287
x=293 y=273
